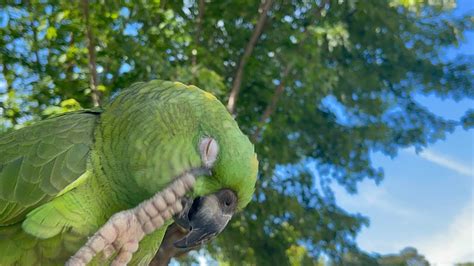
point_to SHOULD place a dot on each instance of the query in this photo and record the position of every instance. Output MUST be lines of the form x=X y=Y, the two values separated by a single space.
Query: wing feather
x=39 y=161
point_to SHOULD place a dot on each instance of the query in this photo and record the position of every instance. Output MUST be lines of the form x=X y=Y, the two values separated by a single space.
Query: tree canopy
x=317 y=85
x=407 y=256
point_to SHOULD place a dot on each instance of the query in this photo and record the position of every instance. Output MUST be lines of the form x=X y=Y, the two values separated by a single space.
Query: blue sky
x=426 y=200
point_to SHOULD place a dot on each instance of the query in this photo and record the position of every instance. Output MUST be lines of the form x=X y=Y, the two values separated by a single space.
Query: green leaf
x=51 y=33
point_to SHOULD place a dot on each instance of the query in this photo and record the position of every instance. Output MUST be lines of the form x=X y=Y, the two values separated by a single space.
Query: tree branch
x=197 y=36
x=237 y=80
x=273 y=102
x=35 y=49
x=70 y=64
x=10 y=95
x=167 y=249
x=35 y=45
x=95 y=94
x=270 y=109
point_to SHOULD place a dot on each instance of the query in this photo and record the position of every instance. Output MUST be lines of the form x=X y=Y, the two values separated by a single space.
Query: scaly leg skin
x=124 y=230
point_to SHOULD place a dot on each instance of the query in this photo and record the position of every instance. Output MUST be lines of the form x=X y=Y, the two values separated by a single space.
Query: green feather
x=64 y=177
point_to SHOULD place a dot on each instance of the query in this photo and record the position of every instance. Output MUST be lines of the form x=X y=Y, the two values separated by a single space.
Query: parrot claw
x=122 y=233
x=119 y=235
x=124 y=230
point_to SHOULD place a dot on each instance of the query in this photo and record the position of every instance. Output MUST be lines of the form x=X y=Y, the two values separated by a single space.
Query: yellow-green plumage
x=62 y=178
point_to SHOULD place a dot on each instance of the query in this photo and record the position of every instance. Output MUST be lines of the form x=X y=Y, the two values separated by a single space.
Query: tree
x=322 y=85
x=408 y=256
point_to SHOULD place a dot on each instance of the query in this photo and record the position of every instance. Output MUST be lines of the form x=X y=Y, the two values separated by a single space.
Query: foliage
x=408 y=256
x=468 y=119
x=347 y=71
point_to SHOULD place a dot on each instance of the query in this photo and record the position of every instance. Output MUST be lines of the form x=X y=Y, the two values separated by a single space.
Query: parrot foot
x=124 y=230
x=122 y=233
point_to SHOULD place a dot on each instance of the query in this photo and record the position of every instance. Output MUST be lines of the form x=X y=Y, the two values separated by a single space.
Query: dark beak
x=205 y=217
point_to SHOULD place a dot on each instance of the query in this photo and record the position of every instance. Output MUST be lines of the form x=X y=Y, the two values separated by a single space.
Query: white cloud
x=455 y=244
x=445 y=161
x=385 y=211
x=371 y=196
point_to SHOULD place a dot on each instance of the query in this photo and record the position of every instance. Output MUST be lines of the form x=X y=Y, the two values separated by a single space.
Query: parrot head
x=227 y=189
x=192 y=123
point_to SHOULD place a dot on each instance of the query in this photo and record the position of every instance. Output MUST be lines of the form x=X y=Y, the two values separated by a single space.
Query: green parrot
x=75 y=176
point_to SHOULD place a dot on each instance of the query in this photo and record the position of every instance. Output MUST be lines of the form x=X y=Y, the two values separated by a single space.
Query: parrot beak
x=205 y=217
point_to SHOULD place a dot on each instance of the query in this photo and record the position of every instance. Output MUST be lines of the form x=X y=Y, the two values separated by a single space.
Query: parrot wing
x=39 y=161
